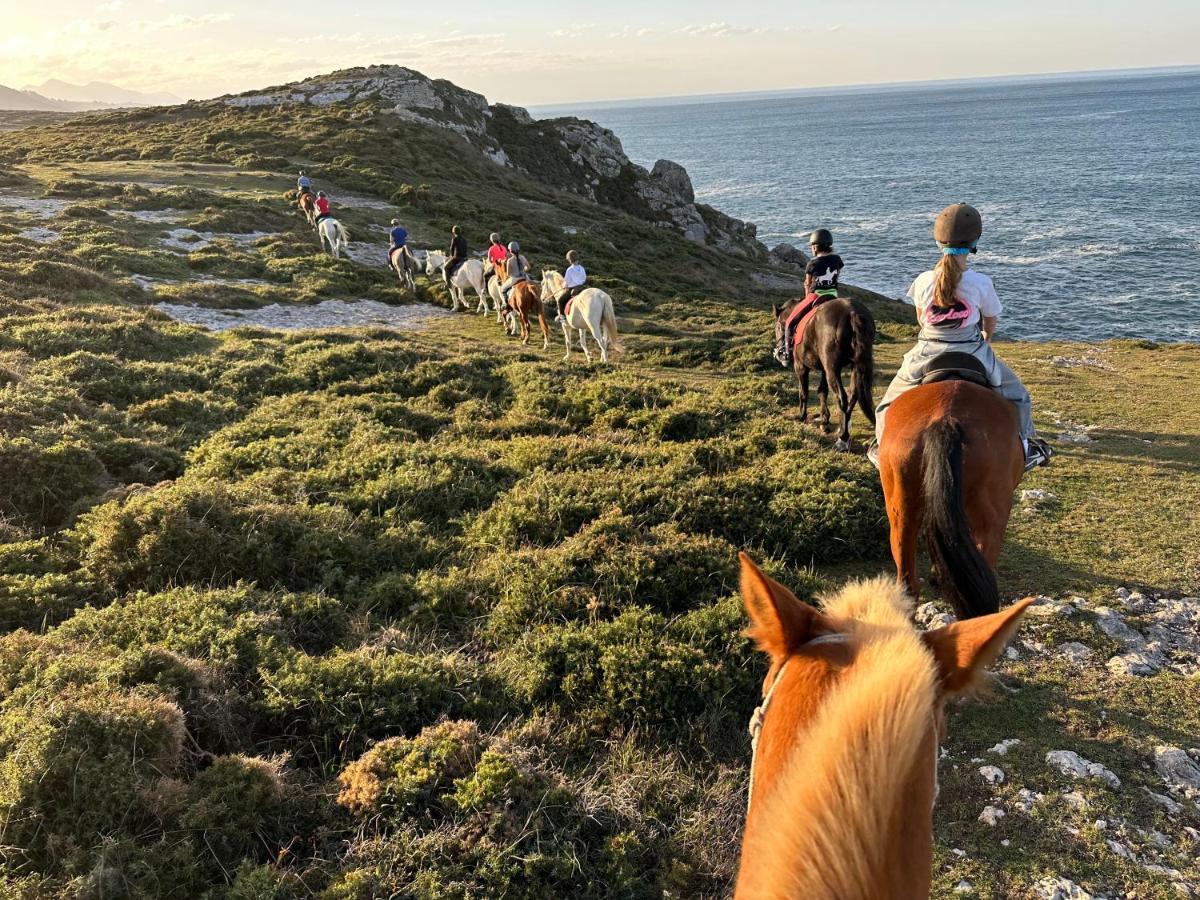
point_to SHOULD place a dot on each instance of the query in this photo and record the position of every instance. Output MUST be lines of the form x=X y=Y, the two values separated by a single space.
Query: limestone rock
x=991 y=815
x=1063 y=889
x=1072 y=764
x=789 y=257
x=1075 y=652
x=992 y=774
x=674 y=179
x=1178 y=770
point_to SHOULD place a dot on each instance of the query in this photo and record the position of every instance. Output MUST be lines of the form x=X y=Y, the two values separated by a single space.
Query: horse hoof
x=841 y=446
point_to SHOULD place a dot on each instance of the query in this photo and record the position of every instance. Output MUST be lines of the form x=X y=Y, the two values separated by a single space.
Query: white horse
x=404 y=264
x=592 y=310
x=333 y=234
x=503 y=316
x=468 y=275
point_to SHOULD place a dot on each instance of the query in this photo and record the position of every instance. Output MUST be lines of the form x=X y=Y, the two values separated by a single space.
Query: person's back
x=304 y=183
x=399 y=236
x=820 y=284
x=322 y=205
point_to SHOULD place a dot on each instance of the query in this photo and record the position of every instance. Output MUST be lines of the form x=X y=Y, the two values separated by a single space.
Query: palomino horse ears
x=781 y=624
x=964 y=649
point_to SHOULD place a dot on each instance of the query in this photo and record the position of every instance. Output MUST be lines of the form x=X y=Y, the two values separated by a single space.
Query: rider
x=458 y=254
x=958 y=310
x=496 y=254
x=517 y=271
x=399 y=238
x=322 y=207
x=573 y=283
x=303 y=184
x=820 y=283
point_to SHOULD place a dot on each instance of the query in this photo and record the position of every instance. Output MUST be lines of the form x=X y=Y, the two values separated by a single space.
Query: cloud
x=572 y=32
x=719 y=29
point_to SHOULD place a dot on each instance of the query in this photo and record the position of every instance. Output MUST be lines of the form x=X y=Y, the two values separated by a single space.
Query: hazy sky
x=538 y=51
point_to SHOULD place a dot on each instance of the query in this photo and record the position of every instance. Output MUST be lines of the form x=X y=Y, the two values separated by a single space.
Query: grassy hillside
x=371 y=613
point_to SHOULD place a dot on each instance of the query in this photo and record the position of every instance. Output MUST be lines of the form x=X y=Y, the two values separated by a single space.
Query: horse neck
x=843 y=802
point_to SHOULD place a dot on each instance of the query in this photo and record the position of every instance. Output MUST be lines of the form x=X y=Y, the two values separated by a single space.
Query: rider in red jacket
x=322 y=206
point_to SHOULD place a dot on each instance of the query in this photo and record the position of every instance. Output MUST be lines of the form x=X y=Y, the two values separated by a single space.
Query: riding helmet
x=572 y=256
x=395 y=221
x=456 y=230
x=320 y=193
x=514 y=247
x=821 y=238
x=494 y=237
x=958 y=225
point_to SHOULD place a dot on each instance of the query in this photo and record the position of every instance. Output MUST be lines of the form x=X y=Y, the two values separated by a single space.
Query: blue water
x=1089 y=187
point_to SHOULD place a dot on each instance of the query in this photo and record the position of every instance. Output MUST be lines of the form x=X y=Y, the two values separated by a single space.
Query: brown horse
x=841 y=332
x=844 y=773
x=524 y=300
x=951 y=457
x=308 y=205
x=404 y=265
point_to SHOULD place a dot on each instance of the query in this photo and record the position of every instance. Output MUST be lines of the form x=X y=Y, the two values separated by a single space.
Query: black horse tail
x=966 y=579
x=862 y=328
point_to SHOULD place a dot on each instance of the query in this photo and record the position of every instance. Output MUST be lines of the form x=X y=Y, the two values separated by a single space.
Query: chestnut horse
x=951 y=457
x=525 y=299
x=844 y=773
x=839 y=333
x=308 y=205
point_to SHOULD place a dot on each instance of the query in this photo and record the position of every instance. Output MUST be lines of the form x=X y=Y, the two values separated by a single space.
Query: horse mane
x=842 y=789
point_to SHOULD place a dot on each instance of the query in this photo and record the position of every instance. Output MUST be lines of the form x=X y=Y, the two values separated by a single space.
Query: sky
x=539 y=52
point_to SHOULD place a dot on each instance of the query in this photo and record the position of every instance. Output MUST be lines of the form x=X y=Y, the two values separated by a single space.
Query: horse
x=840 y=332
x=308 y=205
x=951 y=457
x=845 y=743
x=591 y=309
x=524 y=299
x=404 y=265
x=504 y=316
x=333 y=234
x=469 y=274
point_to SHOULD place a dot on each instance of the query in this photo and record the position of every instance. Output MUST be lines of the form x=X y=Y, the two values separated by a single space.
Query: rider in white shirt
x=574 y=282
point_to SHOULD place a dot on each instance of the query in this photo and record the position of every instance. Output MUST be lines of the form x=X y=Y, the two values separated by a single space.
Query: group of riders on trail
x=957 y=307
x=958 y=311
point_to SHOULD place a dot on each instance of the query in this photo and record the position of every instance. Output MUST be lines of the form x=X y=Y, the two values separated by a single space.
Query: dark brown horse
x=951 y=458
x=841 y=332
x=524 y=300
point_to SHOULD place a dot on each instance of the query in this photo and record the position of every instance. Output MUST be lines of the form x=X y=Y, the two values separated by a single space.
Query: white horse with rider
x=590 y=311
x=334 y=234
x=468 y=275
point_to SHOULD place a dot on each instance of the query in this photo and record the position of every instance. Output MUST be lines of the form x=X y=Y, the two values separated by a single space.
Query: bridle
x=760 y=713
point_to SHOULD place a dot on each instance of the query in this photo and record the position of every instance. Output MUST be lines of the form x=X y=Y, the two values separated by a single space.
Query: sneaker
x=781 y=355
x=873 y=453
x=1039 y=454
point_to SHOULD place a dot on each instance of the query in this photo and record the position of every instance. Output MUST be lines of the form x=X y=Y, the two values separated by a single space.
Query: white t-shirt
x=975 y=291
x=574 y=276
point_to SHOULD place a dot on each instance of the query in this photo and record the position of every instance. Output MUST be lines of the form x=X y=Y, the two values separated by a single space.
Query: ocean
x=1089 y=186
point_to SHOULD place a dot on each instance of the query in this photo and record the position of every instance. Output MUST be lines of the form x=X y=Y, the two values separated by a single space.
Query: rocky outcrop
x=788 y=257
x=568 y=153
x=402 y=92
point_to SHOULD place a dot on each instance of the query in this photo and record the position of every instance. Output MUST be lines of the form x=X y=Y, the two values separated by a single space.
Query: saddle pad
x=805 y=315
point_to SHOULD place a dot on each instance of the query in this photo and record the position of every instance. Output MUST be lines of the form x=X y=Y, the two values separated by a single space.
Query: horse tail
x=609 y=320
x=342 y=232
x=862 y=344
x=967 y=581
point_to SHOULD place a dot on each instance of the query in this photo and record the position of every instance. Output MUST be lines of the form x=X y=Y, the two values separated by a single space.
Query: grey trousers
x=916 y=362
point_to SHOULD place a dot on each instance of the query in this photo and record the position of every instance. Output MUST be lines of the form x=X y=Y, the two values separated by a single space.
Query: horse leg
x=802 y=383
x=823 y=394
x=545 y=329
x=583 y=344
x=567 y=340
x=904 y=508
x=843 y=399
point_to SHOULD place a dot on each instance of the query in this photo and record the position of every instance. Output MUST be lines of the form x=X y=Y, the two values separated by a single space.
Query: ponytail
x=948 y=274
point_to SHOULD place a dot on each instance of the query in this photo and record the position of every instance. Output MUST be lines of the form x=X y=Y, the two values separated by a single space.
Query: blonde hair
x=948 y=274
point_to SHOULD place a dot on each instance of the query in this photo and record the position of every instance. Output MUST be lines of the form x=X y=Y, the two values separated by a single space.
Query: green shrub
x=234 y=806
x=44 y=484
x=80 y=765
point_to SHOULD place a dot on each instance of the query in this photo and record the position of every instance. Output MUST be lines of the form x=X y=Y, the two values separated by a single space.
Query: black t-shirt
x=824 y=271
x=458 y=247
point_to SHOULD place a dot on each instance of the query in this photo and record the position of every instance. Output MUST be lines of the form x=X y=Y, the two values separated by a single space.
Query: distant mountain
x=31 y=100
x=101 y=92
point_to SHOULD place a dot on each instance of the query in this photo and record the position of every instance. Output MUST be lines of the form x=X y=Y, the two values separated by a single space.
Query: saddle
x=956 y=366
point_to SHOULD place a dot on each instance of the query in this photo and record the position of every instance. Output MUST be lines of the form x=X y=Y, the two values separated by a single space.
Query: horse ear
x=780 y=623
x=964 y=649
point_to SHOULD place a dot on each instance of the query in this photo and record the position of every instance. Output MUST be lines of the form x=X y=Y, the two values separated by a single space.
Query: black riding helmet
x=821 y=239
x=958 y=225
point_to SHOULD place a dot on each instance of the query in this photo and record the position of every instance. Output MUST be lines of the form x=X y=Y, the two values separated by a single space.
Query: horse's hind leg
x=843 y=399
x=802 y=381
x=904 y=510
x=823 y=394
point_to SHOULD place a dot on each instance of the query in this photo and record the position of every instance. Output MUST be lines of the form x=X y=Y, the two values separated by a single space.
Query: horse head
x=847 y=736
x=433 y=260
x=551 y=283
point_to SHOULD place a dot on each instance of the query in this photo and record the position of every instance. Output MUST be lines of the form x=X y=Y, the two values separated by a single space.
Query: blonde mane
x=842 y=790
